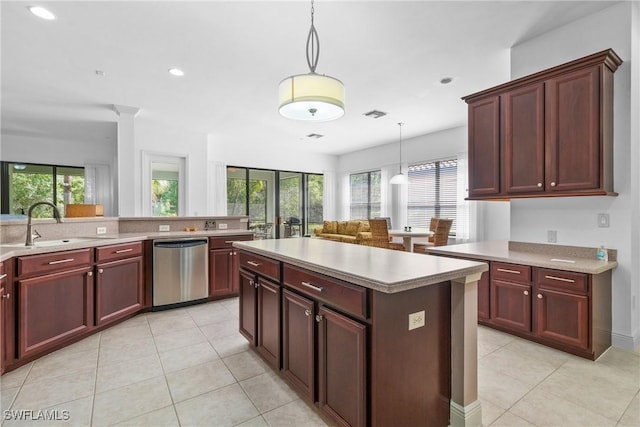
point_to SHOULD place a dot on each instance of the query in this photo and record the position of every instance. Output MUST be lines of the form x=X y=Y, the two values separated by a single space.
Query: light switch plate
x=164 y=228
x=101 y=230
x=552 y=236
x=416 y=320
x=603 y=220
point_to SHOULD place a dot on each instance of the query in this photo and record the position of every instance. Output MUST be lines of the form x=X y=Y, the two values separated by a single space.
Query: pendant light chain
x=313 y=44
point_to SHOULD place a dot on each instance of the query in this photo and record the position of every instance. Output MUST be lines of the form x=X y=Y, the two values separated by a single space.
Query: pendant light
x=400 y=178
x=314 y=97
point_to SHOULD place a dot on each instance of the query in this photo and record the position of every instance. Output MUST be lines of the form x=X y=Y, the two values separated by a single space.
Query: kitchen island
x=371 y=336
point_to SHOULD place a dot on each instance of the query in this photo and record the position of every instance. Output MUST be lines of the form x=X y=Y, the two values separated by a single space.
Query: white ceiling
x=389 y=54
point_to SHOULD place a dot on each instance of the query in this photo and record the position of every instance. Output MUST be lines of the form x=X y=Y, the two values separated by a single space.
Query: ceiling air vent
x=375 y=114
x=314 y=136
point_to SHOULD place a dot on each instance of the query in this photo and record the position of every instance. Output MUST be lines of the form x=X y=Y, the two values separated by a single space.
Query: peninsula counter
x=373 y=337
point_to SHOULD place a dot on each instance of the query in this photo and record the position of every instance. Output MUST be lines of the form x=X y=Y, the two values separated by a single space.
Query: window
x=365 y=195
x=432 y=192
x=164 y=189
x=25 y=183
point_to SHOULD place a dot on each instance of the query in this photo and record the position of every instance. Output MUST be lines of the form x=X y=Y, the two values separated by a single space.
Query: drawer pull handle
x=319 y=318
x=526 y=292
x=6 y=296
x=2 y=276
x=505 y=270
x=561 y=279
x=121 y=251
x=61 y=261
x=255 y=264
x=309 y=285
x=539 y=296
x=307 y=312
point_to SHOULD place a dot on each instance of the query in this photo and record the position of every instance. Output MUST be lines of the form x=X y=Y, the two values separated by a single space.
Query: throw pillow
x=342 y=227
x=330 y=227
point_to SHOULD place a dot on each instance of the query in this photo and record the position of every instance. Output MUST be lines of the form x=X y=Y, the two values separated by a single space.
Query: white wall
x=574 y=218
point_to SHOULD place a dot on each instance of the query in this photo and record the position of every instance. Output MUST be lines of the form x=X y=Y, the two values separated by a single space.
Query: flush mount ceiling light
x=41 y=12
x=400 y=178
x=176 y=72
x=311 y=96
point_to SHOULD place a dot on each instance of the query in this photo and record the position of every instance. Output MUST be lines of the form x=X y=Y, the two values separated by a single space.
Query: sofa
x=354 y=231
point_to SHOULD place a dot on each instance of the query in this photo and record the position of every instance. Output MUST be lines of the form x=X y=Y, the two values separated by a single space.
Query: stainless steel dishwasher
x=180 y=272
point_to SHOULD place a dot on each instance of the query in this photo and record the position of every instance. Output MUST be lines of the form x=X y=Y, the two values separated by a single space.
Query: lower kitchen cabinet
x=248 y=306
x=561 y=307
x=7 y=315
x=223 y=265
x=342 y=367
x=511 y=296
x=298 y=342
x=53 y=308
x=268 y=339
x=119 y=289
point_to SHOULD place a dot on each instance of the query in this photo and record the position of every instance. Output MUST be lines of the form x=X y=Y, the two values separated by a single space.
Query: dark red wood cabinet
x=298 y=342
x=546 y=134
x=223 y=266
x=7 y=315
x=511 y=296
x=119 y=284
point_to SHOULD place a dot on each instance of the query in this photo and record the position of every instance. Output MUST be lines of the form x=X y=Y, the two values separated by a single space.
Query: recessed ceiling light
x=176 y=72
x=43 y=13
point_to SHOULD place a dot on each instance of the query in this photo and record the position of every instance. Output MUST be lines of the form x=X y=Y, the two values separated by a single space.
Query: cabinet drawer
x=111 y=252
x=561 y=280
x=334 y=292
x=28 y=265
x=511 y=272
x=260 y=265
x=227 y=241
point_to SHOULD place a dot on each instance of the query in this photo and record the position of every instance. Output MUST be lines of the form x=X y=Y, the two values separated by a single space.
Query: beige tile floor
x=190 y=367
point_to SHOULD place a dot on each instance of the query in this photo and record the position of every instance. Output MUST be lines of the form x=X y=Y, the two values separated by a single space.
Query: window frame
x=369 y=203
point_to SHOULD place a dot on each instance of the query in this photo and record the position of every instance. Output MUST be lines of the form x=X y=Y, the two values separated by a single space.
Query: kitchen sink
x=49 y=243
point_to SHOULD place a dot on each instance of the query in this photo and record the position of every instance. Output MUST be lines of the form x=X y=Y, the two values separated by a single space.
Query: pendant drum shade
x=311 y=97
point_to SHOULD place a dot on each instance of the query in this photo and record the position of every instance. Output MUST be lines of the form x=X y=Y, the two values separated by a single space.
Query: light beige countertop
x=567 y=258
x=380 y=269
x=9 y=250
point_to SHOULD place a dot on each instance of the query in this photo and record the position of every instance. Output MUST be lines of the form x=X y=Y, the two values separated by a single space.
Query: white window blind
x=365 y=195
x=433 y=192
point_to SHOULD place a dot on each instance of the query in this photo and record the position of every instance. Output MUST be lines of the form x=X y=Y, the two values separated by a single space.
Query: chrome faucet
x=56 y=215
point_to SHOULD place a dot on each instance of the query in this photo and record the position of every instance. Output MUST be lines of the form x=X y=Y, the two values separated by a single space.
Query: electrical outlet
x=222 y=226
x=552 y=236
x=416 y=320
x=209 y=224
x=164 y=228
x=101 y=230
x=603 y=220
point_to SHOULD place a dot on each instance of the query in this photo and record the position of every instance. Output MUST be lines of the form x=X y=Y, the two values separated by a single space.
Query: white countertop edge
x=112 y=239
x=367 y=282
x=580 y=265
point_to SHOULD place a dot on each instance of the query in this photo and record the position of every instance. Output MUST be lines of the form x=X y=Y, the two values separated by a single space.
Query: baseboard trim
x=465 y=416
x=625 y=341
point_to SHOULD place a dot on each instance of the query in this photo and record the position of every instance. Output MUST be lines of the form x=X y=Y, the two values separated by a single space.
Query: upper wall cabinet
x=547 y=134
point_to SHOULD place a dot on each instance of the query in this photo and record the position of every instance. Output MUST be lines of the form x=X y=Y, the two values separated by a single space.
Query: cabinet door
x=53 y=308
x=269 y=322
x=342 y=368
x=573 y=141
x=221 y=272
x=484 y=147
x=522 y=112
x=7 y=315
x=119 y=289
x=298 y=341
x=484 y=292
x=511 y=305
x=562 y=317
x=248 y=305
x=235 y=279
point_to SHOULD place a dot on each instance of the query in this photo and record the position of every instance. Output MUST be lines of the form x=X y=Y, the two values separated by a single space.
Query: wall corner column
x=126 y=200
x=465 y=407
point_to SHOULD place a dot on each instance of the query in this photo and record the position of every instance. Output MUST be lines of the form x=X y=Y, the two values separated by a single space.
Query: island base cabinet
x=268 y=340
x=54 y=308
x=342 y=363
x=298 y=343
x=248 y=306
x=411 y=363
x=119 y=290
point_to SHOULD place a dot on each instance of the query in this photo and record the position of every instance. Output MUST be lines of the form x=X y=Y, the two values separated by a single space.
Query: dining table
x=408 y=236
